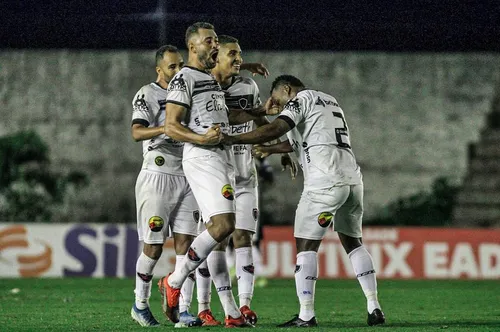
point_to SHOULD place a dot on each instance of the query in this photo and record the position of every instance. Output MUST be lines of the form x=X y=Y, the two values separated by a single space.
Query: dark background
x=349 y=25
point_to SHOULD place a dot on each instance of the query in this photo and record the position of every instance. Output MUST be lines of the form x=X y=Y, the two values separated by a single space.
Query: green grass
x=104 y=305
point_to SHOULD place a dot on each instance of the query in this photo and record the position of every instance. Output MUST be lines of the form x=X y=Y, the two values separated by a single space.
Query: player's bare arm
x=176 y=130
x=142 y=133
x=255 y=68
x=266 y=133
x=263 y=151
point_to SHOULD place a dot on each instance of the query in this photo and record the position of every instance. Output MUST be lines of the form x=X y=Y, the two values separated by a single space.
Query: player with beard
x=333 y=187
x=194 y=96
x=163 y=196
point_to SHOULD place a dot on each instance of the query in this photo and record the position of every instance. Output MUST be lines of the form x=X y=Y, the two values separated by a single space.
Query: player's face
x=229 y=59
x=281 y=95
x=170 y=65
x=206 y=46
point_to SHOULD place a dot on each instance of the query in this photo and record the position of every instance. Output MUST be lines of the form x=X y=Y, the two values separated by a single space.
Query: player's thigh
x=316 y=211
x=152 y=212
x=349 y=217
x=247 y=211
x=212 y=182
x=186 y=214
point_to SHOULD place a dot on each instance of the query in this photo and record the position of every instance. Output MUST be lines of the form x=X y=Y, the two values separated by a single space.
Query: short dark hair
x=286 y=80
x=225 y=39
x=193 y=29
x=164 y=49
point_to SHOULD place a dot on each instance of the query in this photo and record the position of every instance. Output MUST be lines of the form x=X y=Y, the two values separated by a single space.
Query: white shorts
x=164 y=203
x=318 y=210
x=212 y=180
x=247 y=208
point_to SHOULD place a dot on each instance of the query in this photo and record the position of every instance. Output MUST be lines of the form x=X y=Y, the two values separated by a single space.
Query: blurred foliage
x=29 y=189
x=422 y=209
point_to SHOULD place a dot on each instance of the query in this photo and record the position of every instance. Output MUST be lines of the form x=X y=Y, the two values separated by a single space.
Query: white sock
x=144 y=274
x=203 y=286
x=202 y=245
x=187 y=287
x=362 y=264
x=257 y=260
x=245 y=273
x=230 y=257
x=306 y=274
x=220 y=275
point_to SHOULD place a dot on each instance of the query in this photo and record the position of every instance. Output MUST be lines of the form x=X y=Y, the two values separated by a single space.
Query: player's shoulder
x=244 y=80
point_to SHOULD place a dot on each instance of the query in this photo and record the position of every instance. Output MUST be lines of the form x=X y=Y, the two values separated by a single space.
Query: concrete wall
x=411 y=117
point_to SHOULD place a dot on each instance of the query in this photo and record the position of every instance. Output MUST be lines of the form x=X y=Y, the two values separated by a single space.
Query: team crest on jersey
x=325 y=219
x=177 y=84
x=293 y=105
x=243 y=103
x=196 y=215
x=140 y=104
x=255 y=214
x=156 y=223
x=228 y=192
x=159 y=161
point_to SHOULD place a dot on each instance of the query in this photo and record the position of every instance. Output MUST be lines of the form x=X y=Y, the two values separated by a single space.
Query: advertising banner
x=108 y=250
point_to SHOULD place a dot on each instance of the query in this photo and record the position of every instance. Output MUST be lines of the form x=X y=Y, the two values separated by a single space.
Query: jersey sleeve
x=180 y=90
x=256 y=95
x=141 y=109
x=294 y=111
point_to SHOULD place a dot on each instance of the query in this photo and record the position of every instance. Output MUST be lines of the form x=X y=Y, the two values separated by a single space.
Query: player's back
x=321 y=138
x=243 y=94
x=203 y=98
x=161 y=153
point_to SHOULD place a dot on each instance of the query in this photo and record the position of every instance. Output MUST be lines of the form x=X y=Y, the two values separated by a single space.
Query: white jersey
x=242 y=94
x=202 y=96
x=160 y=153
x=320 y=138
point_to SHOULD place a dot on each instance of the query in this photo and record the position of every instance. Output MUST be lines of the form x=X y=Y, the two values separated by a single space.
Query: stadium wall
x=411 y=117
x=97 y=250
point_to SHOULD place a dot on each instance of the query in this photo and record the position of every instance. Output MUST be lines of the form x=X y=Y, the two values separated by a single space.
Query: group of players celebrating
x=198 y=181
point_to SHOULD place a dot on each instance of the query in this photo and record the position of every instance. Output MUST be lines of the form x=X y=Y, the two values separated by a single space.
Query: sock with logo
x=203 y=286
x=187 y=287
x=245 y=273
x=362 y=264
x=306 y=274
x=144 y=274
x=220 y=275
x=202 y=245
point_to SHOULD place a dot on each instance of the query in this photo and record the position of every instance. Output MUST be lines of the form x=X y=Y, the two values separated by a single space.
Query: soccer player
x=195 y=96
x=163 y=196
x=241 y=93
x=333 y=188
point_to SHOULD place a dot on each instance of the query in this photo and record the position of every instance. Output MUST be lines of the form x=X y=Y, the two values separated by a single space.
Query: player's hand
x=259 y=151
x=271 y=108
x=213 y=136
x=256 y=68
x=287 y=161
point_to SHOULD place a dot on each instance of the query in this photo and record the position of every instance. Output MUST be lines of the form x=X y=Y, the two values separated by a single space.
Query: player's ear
x=288 y=89
x=191 y=47
x=158 y=70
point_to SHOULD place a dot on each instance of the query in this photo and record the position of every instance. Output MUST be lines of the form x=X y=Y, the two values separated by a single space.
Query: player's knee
x=222 y=226
x=182 y=243
x=153 y=251
x=242 y=238
x=349 y=243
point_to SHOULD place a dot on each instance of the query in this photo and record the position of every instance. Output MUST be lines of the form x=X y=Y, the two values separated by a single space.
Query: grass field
x=104 y=305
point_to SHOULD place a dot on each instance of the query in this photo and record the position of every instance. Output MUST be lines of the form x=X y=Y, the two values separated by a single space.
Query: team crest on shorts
x=155 y=223
x=325 y=219
x=228 y=192
x=196 y=215
x=159 y=161
x=255 y=214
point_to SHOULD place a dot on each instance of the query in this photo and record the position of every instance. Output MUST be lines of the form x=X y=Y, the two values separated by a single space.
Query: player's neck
x=161 y=82
x=194 y=63
x=223 y=79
